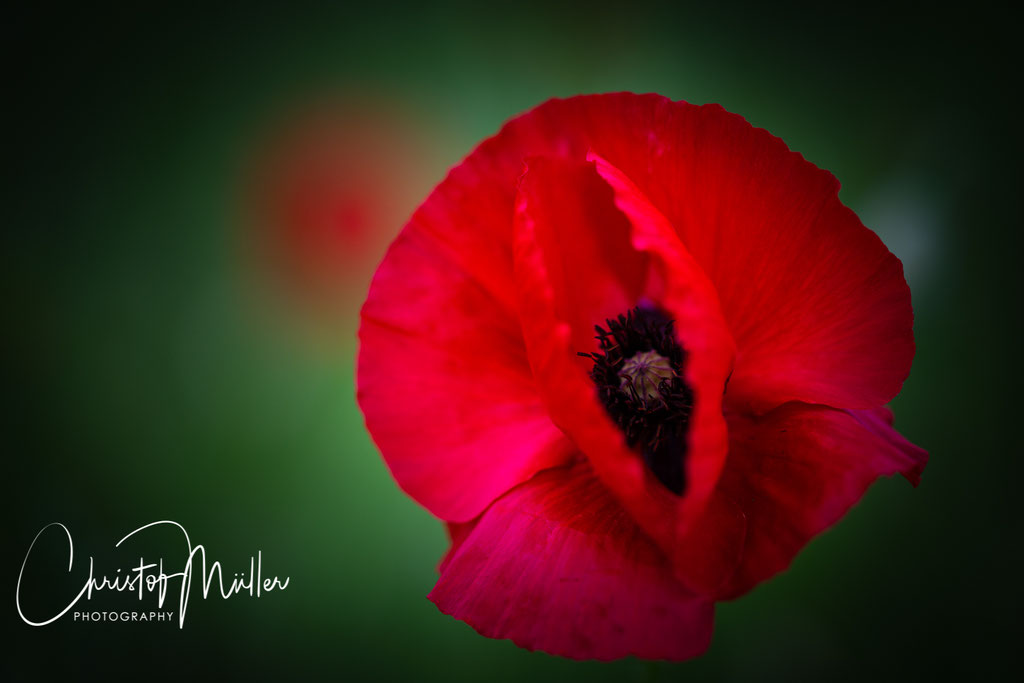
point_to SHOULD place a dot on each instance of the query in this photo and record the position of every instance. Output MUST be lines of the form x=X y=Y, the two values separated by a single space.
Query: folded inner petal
x=565 y=212
x=557 y=565
x=817 y=305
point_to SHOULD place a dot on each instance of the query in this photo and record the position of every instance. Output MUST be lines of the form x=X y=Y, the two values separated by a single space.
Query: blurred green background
x=164 y=362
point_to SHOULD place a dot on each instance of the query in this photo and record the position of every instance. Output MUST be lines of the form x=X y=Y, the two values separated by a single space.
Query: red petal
x=830 y=321
x=879 y=421
x=457 y=533
x=817 y=305
x=445 y=385
x=797 y=470
x=563 y=210
x=557 y=565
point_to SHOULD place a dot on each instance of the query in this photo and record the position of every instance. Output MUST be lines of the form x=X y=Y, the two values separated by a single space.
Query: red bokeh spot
x=329 y=186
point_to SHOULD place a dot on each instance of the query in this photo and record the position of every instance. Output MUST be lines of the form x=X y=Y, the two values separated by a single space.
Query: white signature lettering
x=150 y=577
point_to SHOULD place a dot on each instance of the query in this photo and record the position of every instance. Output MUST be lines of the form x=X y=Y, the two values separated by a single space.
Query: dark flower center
x=639 y=377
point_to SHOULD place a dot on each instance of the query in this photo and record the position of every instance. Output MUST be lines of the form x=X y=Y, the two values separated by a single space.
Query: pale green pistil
x=643 y=372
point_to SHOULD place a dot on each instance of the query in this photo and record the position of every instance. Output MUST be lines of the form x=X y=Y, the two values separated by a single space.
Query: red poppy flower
x=602 y=492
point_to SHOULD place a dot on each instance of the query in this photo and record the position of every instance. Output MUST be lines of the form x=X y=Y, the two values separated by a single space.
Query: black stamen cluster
x=656 y=424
